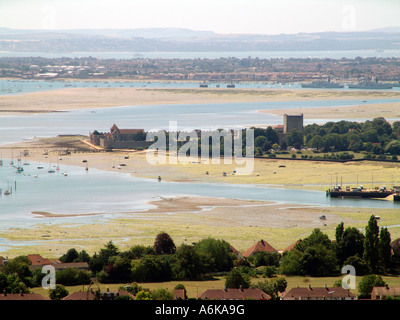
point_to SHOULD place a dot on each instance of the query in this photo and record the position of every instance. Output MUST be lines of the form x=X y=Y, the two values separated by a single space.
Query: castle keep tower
x=292 y=122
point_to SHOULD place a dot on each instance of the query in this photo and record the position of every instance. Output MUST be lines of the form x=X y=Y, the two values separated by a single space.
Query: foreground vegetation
x=315 y=256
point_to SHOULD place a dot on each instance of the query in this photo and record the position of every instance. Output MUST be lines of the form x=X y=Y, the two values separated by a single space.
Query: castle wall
x=111 y=144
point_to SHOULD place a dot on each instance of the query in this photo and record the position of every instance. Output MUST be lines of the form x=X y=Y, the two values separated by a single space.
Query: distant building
x=22 y=296
x=120 y=138
x=291 y=122
x=318 y=293
x=260 y=246
x=37 y=261
x=381 y=293
x=233 y=294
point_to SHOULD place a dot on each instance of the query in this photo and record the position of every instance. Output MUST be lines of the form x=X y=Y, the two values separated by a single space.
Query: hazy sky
x=222 y=16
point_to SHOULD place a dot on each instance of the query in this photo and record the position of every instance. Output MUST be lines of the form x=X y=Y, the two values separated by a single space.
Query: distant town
x=382 y=70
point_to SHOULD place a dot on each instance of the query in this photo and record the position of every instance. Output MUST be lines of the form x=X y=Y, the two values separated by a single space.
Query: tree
x=295 y=138
x=384 y=248
x=218 y=251
x=367 y=283
x=164 y=244
x=119 y=270
x=150 y=269
x=144 y=295
x=316 y=142
x=162 y=294
x=315 y=256
x=259 y=141
x=393 y=147
x=349 y=243
x=235 y=279
x=72 y=277
x=272 y=287
x=71 y=256
x=371 y=253
x=262 y=258
x=58 y=293
x=188 y=264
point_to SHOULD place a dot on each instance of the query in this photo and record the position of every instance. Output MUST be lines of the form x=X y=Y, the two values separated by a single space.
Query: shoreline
x=240 y=222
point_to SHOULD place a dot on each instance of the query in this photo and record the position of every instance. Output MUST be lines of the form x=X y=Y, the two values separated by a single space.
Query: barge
x=359 y=192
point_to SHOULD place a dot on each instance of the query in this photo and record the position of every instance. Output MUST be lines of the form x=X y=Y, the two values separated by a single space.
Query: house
x=179 y=294
x=21 y=296
x=318 y=293
x=90 y=295
x=38 y=261
x=380 y=293
x=80 y=295
x=260 y=246
x=3 y=261
x=233 y=294
x=292 y=246
x=76 y=265
x=108 y=295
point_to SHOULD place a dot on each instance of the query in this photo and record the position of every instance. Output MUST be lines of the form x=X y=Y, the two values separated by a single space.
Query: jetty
x=359 y=192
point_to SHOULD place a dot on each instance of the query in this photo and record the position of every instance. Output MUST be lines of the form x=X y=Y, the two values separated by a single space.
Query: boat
x=231 y=85
x=359 y=192
x=370 y=85
x=322 y=84
x=7 y=192
x=203 y=85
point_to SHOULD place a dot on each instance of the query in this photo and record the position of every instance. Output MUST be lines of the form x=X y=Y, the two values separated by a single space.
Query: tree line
x=369 y=252
x=372 y=137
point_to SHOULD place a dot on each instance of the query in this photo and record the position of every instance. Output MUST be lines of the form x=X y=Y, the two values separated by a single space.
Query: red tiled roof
x=24 y=296
x=130 y=131
x=233 y=294
x=378 y=292
x=317 y=292
x=80 y=295
x=38 y=260
x=259 y=246
x=292 y=246
x=65 y=265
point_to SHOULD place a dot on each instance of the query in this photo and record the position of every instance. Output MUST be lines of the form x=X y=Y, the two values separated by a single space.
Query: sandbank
x=89 y=98
x=388 y=111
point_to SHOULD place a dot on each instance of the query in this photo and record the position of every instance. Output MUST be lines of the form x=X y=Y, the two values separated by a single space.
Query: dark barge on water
x=359 y=192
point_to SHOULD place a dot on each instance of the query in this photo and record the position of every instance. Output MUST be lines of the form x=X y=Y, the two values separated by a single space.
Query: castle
x=120 y=138
x=290 y=122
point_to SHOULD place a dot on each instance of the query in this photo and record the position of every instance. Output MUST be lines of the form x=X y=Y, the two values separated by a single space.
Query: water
x=15 y=87
x=333 y=54
x=115 y=194
x=210 y=116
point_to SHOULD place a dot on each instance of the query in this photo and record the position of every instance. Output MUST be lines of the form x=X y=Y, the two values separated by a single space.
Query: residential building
x=381 y=293
x=318 y=293
x=260 y=246
x=21 y=296
x=233 y=294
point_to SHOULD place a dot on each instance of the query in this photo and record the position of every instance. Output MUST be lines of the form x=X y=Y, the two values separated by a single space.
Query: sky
x=221 y=16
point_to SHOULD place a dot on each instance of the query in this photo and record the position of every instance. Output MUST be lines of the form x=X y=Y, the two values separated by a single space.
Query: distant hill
x=178 y=39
